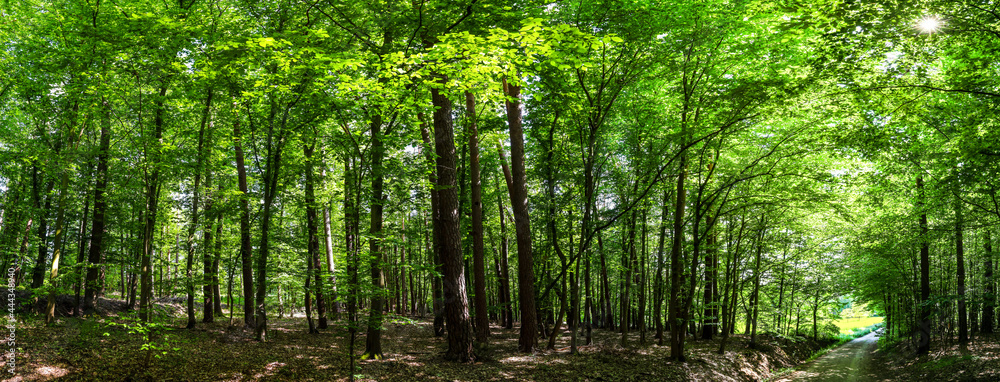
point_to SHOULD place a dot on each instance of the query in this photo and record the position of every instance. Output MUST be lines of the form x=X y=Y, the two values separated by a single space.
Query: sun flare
x=929 y=24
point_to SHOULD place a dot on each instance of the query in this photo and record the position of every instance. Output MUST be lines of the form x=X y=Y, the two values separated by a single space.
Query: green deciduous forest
x=489 y=190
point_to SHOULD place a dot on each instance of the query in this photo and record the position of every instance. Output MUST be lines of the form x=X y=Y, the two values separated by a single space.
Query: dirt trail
x=841 y=364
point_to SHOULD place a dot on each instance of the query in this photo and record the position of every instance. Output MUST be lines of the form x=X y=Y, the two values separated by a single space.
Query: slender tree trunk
x=658 y=283
x=195 y=204
x=373 y=341
x=38 y=272
x=478 y=261
x=81 y=258
x=435 y=255
x=217 y=253
x=504 y=271
x=208 y=304
x=60 y=233
x=308 y=290
x=963 y=315
x=331 y=267
x=245 y=245
x=312 y=226
x=675 y=319
x=988 y=302
x=924 y=318
x=755 y=295
x=710 y=321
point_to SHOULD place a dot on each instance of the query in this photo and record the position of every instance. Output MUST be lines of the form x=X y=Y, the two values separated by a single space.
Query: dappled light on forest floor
x=220 y=352
x=979 y=360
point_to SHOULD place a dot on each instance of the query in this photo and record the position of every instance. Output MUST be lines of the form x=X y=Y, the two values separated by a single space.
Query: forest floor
x=979 y=360
x=100 y=350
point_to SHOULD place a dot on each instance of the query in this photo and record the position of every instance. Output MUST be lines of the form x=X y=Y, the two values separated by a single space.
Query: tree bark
x=478 y=262
x=94 y=257
x=312 y=226
x=245 y=246
x=675 y=318
x=924 y=315
x=373 y=340
x=963 y=315
x=456 y=301
x=518 y=190
x=986 y=326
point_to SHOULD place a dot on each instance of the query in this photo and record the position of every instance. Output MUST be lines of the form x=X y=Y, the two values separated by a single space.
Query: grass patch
x=848 y=325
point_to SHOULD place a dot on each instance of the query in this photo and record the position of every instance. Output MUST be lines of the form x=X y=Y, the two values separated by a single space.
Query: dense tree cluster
x=681 y=169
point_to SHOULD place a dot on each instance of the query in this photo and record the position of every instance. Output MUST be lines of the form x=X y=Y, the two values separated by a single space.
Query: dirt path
x=841 y=364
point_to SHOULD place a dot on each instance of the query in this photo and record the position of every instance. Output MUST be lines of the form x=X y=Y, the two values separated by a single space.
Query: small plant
x=155 y=342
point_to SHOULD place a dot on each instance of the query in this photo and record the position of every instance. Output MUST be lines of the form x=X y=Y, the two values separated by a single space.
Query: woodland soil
x=95 y=350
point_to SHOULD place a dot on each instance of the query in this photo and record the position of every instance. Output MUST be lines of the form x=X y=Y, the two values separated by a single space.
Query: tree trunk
x=504 y=271
x=710 y=321
x=986 y=326
x=658 y=282
x=331 y=267
x=435 y=254
x=245 y=246
x=478 y=262
x=312 y=226
x=275 y=143
x=373 y=341
x=100 y=207
x=81 y=258
x=924 y=318
x=217 y=253
x=195 y=201
x=456 y=301
x=963 y=315
x=517 y=187
x=675 y=318
x=208 y=304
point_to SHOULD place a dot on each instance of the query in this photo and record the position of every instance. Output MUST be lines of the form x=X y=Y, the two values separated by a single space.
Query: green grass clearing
x=847 y=325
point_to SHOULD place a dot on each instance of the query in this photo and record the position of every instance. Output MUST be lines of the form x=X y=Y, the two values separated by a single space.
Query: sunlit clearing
x=929 y=24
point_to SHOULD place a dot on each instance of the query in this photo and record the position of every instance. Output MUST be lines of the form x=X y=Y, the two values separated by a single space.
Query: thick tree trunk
x=456 y=302
x=519 y=203
x=94 y=257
